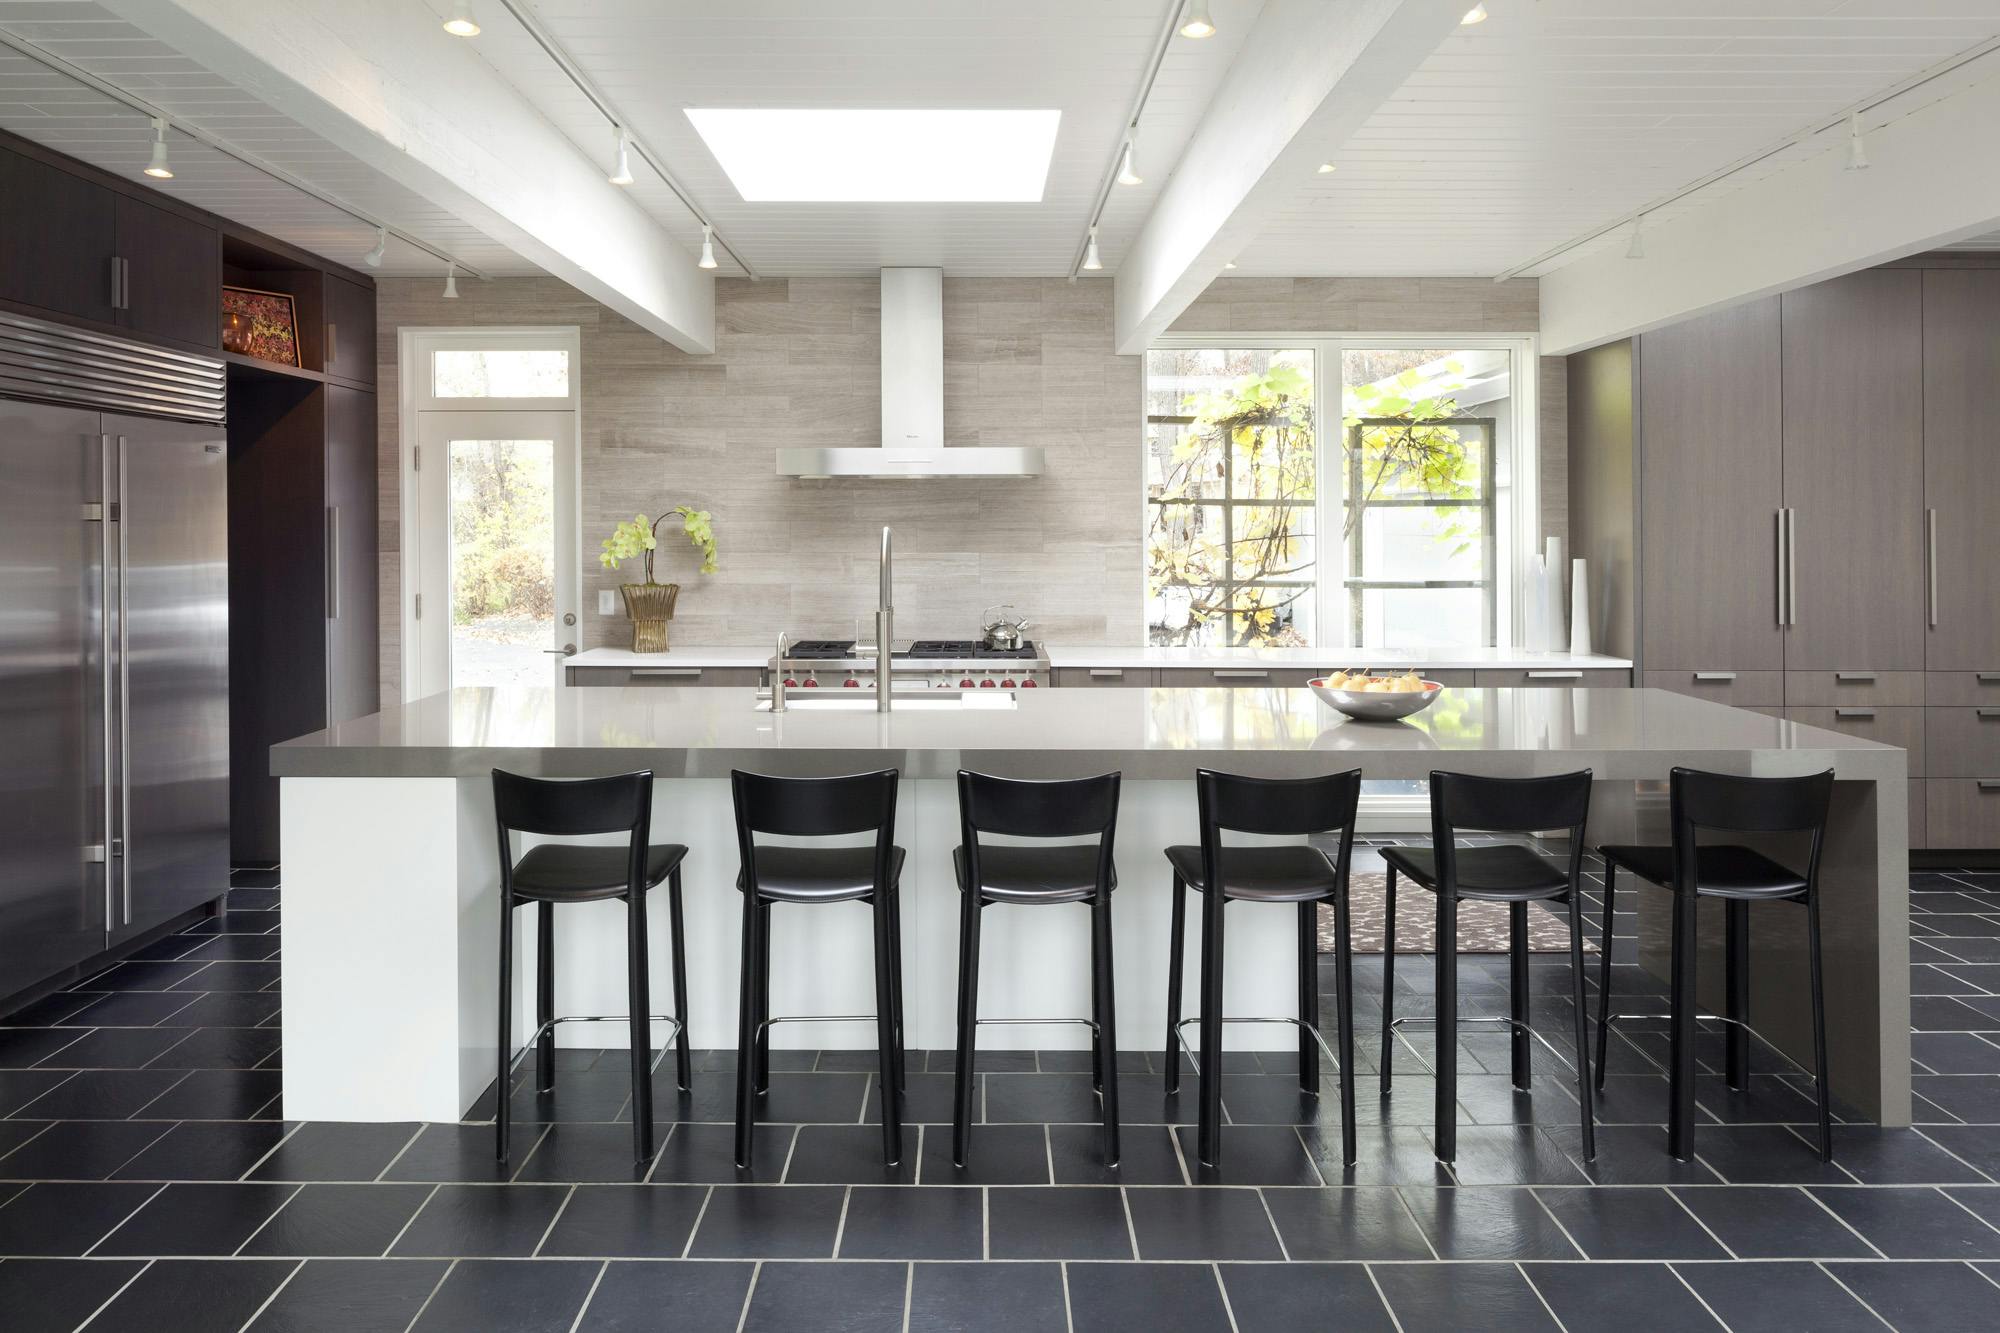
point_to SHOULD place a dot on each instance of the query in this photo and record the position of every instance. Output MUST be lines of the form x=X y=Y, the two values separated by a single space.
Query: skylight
x=900 y=156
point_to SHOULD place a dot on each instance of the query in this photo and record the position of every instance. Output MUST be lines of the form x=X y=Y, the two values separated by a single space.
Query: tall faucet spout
x=885 y=629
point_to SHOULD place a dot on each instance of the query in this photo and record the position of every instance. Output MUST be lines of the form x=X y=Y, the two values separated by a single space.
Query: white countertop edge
x=1139 y=658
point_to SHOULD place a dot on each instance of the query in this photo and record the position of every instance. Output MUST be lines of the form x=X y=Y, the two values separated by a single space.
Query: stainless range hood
x=912 y=401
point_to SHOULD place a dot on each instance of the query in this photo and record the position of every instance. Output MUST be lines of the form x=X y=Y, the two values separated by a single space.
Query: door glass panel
x=503 y=561
x=500 y=373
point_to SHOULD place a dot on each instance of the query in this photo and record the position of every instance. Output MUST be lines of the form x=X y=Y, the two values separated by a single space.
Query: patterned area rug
x=1482 y=927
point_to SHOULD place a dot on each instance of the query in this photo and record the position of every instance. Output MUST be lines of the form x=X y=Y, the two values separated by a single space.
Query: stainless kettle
x=1001 y=628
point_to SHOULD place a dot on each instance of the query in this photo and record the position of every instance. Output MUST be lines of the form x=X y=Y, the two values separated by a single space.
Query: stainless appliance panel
x=51 y=724
x=172 y=689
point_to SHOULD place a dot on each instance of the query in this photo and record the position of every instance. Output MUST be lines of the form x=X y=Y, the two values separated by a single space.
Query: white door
x=496 y=549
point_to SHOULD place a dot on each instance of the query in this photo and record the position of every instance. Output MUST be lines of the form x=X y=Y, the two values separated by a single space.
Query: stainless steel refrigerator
x=114 y=620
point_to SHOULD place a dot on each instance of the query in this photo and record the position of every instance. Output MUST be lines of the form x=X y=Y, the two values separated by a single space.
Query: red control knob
x=965 y=684
x=986 y=684
x=1007 y=684
x=791 y=684
x=812 y=682
x=1028 y=684
x=850 y=684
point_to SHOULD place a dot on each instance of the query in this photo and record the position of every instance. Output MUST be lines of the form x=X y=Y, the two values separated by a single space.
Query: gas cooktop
x=970 y=648
x=821 y=650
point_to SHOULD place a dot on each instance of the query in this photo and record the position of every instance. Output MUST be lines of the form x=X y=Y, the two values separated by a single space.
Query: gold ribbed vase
x=651 y=608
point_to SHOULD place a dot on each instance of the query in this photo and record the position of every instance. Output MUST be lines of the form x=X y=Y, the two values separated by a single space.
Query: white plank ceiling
x=1520 y=134
x=1555 y=117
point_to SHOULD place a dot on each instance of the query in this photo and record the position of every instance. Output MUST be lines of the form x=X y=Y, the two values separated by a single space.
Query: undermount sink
x=848 y=701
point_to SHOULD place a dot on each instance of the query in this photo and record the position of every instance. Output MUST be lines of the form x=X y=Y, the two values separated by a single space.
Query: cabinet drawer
x=1962 y=812
x=1919 y=820
x=1900 y=727
x=1739 y=689
x=1962 y=688
x=1818 y=689
x=1962 y=742
x=1101 y=677
x=1234 y=677
x=666 y=675
x=1554 y=678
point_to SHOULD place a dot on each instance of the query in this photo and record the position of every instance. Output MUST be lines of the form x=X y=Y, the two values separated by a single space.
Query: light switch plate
x=607 y=602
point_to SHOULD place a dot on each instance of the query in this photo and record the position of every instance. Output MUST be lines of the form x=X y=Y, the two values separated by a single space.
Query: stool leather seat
x=820 y=874
x=569 y=873
x=1508 y=873
x=1061 y=874
x=1725 y=871
x=1293 y=874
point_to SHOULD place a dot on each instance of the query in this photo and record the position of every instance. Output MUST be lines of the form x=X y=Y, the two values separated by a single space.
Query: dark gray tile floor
x=148 y=1181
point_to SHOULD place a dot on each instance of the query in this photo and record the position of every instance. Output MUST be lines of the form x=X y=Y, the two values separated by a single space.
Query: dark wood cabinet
x=56 y=239
x=350 y=331
x=171 y=269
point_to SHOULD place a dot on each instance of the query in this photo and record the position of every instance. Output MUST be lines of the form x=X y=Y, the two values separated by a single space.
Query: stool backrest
x=1234 y=803
x=1728 y=803
x=573 y=809
x=815 y=808
x=1035 y=808
x=1474 y=803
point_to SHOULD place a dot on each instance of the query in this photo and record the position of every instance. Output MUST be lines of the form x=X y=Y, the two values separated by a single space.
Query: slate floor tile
x=339 y=1221
x=701 y=1295
x=706 y=1155
x=769 y=1222
x=1632 y=1223
x=196 y=1219
x=1921 y=1298
x=80 y=1149
x=461 y=1153
x=351 y=1296
x=1146 y=1156
x=892 y=1222
x=1509 y=1224
x=1777 y=1298
x=850 y=1155
x=1185 y=1222
x=1346 y=1223
x=976 y=1298
x=1266 y=1298
x=1773 y=1222
x=216 y=1094
x=1450 y=1298
x=1144 y=1298
x=1062 y=1222
x=580 y=1152
x=66 y=1218
x=532 y=1296
x=481 y=1221
x=203 y=1150
x=1606 y=1298
x=791 y=1296
x=1254 y=1155
x=334 y=1150
x=1913 y=1223
x=102 y=1094
x=626 y=1222
x=996 y=1155
x=59 y=1293
x=193 y=1296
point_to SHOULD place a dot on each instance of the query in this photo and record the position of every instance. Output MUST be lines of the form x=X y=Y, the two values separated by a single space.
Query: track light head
x=461 y=23
x=621 y=170
x=1327 y=168
x=1128 y=168
x=374 y=257
x=707 y=259
x=158 y=168
x=1636 y=247
x=1857 y=150
x=1197 y=24
x=1476 y=14
x=451 y=280
x=1091 y=262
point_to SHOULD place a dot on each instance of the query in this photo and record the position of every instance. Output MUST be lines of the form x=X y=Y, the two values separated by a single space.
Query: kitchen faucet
x=778 y=672
x=885 y=626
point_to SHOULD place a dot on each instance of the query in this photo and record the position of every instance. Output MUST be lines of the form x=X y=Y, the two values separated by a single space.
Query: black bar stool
x=1037 y=876
x=568 y=873
x=1265 y=874
x=1504 y=873
x=1739 y=876
x=817 y=808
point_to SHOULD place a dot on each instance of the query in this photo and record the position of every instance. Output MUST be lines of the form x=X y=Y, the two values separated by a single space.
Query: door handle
x=1854 y=712
x=333 y=562
x=567 y=650
x=124 y=843
x=1930 y=561
x=106 y=567
x=1716 y=677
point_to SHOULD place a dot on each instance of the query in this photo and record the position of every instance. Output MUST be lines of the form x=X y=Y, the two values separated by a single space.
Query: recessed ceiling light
x=1476 y=14
x=1198 y=24
x=890 y=156
x=461 y=23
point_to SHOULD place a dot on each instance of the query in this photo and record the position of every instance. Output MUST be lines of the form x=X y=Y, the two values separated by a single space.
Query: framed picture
x=260 y=324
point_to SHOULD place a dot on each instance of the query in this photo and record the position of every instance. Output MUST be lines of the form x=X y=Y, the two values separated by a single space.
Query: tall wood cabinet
x=1817 y=474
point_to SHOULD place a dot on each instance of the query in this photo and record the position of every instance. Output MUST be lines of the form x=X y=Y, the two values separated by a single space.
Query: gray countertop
x=1148 y=733
x=1142 y=658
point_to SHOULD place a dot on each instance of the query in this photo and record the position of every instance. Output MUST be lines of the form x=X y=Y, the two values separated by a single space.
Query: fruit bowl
x=1377 y=705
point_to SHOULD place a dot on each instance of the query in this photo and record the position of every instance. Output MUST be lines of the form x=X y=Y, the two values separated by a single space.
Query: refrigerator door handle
x=124 y=693
x=105 y=566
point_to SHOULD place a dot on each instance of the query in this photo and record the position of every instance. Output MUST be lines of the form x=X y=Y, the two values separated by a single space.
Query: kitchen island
x=391 y=895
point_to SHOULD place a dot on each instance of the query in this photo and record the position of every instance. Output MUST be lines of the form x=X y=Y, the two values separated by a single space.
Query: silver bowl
x=1369 y=706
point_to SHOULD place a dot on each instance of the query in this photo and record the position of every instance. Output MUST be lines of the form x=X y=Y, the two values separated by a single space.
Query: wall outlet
x=607 y=601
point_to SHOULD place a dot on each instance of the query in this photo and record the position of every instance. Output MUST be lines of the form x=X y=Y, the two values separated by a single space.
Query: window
x=500 y=372
x=1420 y=506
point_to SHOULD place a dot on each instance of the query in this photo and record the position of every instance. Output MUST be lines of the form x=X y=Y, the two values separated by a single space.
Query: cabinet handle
x=121 y=283
x=666 y=671
x=1987 y=677
x=1107 y=673
x=332 y=357
x=1854 y=712
x=1717 y=676
x=333 y=562
x=1989 y=784
x=1242 y=675
x=1930 y=560
x=1555 y=675
x=1780 y=545
x=1986 y=712
x=1854 y=678
x=1792 y=563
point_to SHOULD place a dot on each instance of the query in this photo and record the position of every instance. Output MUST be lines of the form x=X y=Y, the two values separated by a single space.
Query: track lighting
x=451 y=280
x=461 y=23
x=1197 y=25
x=621 y=174
x=1636 y=247
x=158 y=168
x=374 y=257
x=1327 y=168
x=1090 y=260
x=1857 y=151
x=1229 y=263
x=1476 y=14
x=707 y=259
x=1128 y=168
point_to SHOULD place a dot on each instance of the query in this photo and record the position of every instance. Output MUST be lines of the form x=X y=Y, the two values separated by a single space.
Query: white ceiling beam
x=1309 y=75
x=1930 y=182
x=382 y=81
